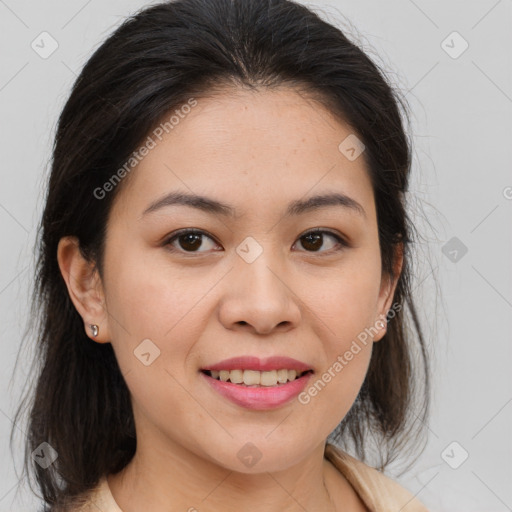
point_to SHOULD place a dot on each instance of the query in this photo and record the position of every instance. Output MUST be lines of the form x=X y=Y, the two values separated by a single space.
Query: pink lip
x=259 y=398
x=262 y=365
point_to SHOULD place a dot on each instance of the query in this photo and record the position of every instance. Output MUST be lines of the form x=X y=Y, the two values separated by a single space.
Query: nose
x=258 y=297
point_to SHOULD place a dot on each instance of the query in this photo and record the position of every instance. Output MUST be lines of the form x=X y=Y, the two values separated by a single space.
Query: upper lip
x=262 y=365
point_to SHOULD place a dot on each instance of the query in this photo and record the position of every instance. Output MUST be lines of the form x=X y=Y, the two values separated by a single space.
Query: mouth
x=258 y=384
x=257 y=379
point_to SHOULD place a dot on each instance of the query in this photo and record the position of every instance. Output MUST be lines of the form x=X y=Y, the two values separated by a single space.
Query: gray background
x=462 y=188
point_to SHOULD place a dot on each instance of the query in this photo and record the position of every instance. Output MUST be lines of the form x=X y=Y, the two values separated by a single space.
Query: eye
x=314 y=240
x=190 y=240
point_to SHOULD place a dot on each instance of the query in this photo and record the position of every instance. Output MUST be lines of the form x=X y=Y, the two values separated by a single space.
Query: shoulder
x=378 y=491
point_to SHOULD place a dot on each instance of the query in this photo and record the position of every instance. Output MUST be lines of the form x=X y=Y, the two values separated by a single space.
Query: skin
x=256 y=151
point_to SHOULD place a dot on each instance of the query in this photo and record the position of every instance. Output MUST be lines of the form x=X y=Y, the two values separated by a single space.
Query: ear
x=84 y=287
x=387 y=291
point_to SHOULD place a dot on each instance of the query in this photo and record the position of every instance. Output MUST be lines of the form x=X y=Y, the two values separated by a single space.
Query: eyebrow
x=212 y=206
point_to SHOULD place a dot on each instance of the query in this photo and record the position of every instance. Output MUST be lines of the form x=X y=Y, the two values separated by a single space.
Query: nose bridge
x=258 y=269
x=257 y=292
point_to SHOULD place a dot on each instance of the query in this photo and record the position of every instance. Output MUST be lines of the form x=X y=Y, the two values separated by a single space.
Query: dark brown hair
x=154 y=62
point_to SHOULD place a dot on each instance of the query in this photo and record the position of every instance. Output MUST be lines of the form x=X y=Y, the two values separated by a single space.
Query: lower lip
x=259 y=398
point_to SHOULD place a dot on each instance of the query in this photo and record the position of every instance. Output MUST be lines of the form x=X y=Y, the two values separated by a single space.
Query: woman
x=224 y=265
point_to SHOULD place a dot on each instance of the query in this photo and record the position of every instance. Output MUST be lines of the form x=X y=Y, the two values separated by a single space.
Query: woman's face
x=251 y=284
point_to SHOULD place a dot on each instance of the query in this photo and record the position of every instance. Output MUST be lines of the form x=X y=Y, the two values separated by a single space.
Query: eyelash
x=342 y=244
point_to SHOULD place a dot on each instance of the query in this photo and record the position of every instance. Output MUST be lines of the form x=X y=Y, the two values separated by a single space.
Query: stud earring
x=94 y=329
x=383 y=322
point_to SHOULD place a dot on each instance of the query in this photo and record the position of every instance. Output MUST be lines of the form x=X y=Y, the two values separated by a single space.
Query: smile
x=257 y=397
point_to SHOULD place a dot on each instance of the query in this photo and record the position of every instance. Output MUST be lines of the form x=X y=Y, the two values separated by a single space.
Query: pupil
x=315 y=237
x=191 y=238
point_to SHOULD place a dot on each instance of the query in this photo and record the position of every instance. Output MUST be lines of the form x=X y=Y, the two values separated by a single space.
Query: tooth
x=292 y=374
x=268 y=378
x=251 y=377
x=236 y=376
x=282 y=376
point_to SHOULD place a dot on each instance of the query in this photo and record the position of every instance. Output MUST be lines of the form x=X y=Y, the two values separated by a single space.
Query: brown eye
x=189 y=241
x=192 y=240
x=314 y=241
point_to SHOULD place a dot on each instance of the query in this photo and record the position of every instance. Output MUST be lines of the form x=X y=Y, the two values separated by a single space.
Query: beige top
x=377 y=491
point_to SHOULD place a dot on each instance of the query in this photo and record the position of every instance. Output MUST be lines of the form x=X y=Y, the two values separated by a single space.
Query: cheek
x=346 y=300
x=347 y=344
x=155 y=315
x=155 y=322
x=152 y=300
x=346 y=307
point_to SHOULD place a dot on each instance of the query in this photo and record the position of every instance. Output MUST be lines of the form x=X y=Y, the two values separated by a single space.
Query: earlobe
x=84 y=288
x=381 y=324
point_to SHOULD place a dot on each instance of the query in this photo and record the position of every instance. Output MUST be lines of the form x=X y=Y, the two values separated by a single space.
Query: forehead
x=249 y=149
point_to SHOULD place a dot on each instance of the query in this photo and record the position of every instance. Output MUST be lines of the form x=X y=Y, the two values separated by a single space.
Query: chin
x=260 y=455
